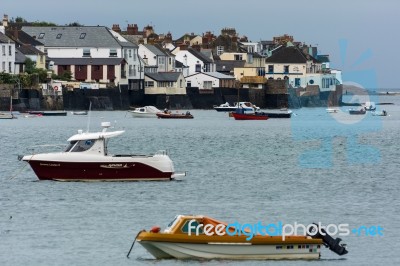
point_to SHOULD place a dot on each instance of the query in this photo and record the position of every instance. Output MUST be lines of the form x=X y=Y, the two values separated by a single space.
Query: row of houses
x=143 y=60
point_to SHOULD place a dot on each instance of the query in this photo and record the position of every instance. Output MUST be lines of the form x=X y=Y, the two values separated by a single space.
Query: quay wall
x=276 y=95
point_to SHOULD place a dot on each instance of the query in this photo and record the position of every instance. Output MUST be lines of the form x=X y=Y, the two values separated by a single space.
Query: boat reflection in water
x=86 y=159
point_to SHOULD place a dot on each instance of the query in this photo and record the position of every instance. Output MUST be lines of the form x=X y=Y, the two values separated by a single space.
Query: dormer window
x=59 y=36
x=86 y=52
x=113 y=53
x=82 y=36
x=41 y=36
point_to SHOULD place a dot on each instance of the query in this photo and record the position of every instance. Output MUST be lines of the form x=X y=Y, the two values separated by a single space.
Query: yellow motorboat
x=201 y=237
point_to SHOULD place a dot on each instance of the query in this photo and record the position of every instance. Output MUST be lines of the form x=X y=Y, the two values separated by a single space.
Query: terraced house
x=91 y=54
x=7 y=54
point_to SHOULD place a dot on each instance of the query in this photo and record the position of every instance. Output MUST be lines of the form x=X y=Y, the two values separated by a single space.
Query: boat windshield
x=80 y=146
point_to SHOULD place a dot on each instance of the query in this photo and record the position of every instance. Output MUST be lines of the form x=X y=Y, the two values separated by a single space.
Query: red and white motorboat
x=86 y=159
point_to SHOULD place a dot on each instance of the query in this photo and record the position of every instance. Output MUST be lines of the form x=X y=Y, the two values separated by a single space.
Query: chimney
x=5 y=21
x=15 y=33
x=116 y=28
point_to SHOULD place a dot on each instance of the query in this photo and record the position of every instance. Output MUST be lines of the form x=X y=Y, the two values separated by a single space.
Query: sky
x=361 y=36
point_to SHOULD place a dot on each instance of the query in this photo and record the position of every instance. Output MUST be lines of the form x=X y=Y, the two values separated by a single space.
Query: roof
x=95 y=135
x=87 y=61
x=73 y=36
x=155 y=50
x=132 y=38
x=5 y=39
x=30 y=50
x=214 y=75
x=199 y=55
x=164 y=76
x=290 y=54
x=19 y=56
x=228 y=65
x=23 y=38
x=323 y=58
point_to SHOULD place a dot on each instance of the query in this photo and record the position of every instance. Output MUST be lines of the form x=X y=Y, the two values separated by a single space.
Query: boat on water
x=48 y=113
x=79 y=112
x=7 y=115
x=169 y=115
x=87 y=159
x=278 y=114
x=361 y=111
x=369 y=106
x=146 y=111
x=379 y=113
x=255 y=116
x=226 y=107
x=185 y=238
x=332 y=110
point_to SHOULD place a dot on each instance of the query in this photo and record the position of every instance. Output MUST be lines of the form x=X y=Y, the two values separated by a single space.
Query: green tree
x=75 y=24
x=30 y=66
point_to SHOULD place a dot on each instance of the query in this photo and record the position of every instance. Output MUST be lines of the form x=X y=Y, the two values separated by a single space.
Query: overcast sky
x=369 y=28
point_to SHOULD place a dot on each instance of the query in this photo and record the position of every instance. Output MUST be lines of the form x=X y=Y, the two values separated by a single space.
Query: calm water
x=313 y=167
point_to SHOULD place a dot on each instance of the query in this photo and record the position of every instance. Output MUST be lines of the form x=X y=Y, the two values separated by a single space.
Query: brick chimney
x=116 y=28
x=132 y=29
x=5 y=21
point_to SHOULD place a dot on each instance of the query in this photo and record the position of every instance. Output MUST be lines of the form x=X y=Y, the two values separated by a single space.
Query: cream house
x=169 y=83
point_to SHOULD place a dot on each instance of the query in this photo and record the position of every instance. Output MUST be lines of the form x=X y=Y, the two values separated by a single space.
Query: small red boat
x=251 y=116
x=170 y=115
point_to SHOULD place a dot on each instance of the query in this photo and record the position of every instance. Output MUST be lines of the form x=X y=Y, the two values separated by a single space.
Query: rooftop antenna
x=89 y=114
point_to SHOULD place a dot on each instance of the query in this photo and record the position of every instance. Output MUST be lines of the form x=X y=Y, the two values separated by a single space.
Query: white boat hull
x=232 y=251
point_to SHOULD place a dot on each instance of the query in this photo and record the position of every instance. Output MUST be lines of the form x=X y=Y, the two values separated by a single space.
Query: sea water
x=314 y=167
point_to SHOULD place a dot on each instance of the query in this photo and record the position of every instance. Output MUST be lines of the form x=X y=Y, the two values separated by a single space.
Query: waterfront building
x=90 y=54
x=7 y=54
x=196 y=60
x=156 y=57
x=165 y=83
x=207 y=81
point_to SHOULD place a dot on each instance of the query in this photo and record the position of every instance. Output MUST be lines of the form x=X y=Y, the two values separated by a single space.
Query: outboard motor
x=333 y=244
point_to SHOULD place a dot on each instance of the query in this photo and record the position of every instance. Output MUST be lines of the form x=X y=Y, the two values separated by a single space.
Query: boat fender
x=155 y=229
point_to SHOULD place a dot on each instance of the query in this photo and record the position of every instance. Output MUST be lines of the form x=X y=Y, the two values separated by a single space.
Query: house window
x=9 y=67
x=285 y=69
x=161 y=60
x=113 y=52
x=270 y=69
x=297 y=82
x=198 y=68
x=130 y=70
x=220 y=50
x=3 y=48
x=82 y=36
x=170 y=60
x=3 y=66
x=130 y=52
x=180 y=83
x=149 y=84
x=86 y=52
x=41 y=36
x=9 y=50
x=189 y=84
x=59 y=36
x=207 y=85
x=238 y=57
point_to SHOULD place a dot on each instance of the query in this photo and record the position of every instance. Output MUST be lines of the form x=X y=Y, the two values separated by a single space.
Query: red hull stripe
x=249 y=117
x=85 y=171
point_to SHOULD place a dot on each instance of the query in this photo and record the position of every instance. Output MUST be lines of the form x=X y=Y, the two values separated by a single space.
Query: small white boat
x=6 y=116
x=146 y=111
x=332 y=110
x=369 y=106
x=380 y=113
x=246 y=106
x=79 y=112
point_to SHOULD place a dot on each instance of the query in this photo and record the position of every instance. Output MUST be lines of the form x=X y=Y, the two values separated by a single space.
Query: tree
x=75 y=24
x=30 y=66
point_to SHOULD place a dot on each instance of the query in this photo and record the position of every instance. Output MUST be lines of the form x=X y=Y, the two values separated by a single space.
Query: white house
x=195 y=60
x=91 y=54
x=210 y=80
x=7 y=54
x=154 y=55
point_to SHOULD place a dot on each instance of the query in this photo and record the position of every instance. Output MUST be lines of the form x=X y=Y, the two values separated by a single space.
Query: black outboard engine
x=333 y=244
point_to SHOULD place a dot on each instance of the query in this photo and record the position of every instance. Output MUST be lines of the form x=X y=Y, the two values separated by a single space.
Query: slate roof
x=214 y=75
x=155 y=50
x=291 y=54
x=228 y=65
x=164 y=76
x=23 y=38
x=73 y=36
x=199 y=55
x=5 y=39
x=30 y=50
x=87 y=61
x=19 y=57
